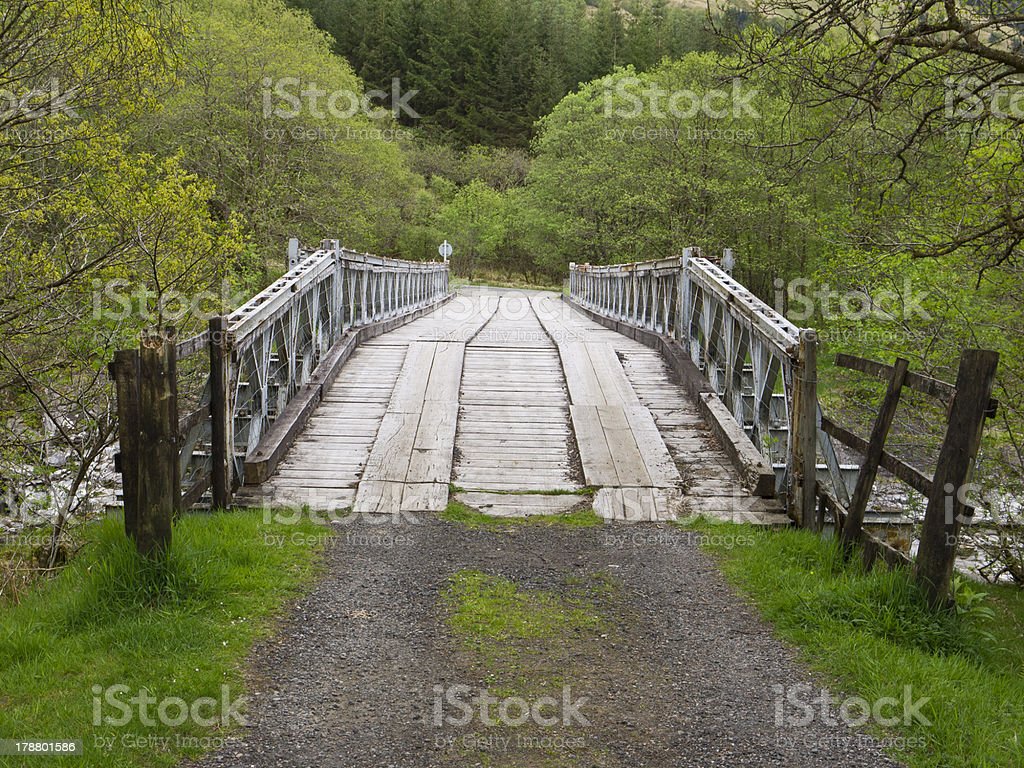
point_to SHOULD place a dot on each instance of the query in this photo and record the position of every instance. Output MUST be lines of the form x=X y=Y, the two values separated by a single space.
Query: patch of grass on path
x=178 y=631
x=873 y=636
x=528 y=644
x=493 y=610
x=457 y=512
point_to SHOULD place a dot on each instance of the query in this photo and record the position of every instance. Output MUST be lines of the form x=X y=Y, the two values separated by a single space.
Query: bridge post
x=293 y=253
x=221 y=419
x=803 y=433
x=159 y=483
x=685 y=298
x=124 y=370
x=944 y=515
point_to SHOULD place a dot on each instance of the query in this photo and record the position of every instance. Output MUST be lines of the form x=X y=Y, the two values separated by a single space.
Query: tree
x=942 y=70
x=473 y=222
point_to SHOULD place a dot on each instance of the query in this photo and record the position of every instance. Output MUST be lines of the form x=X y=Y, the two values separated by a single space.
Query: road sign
x=445 y=249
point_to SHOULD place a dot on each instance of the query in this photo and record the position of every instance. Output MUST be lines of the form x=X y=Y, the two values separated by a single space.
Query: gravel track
x=683 y=674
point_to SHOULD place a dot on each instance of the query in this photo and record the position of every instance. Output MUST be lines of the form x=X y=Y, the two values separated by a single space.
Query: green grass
x=491 y=609
x=871 y=635
x=457 y=512
x=181 y=629
x=527 y=642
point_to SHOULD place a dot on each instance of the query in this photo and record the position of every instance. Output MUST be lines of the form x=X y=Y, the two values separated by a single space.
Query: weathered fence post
x=804 y=432
x=943 y=516
x=221 y=421
x=125 y=372
x=869 y=469
x=159 y=483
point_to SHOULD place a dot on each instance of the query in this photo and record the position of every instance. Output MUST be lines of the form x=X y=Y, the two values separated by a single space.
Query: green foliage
x=287 y=163
x=625 y=177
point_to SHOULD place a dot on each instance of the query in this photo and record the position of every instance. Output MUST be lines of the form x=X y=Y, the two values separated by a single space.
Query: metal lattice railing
x=259 y=358
x=280 y=336
x=753 y=357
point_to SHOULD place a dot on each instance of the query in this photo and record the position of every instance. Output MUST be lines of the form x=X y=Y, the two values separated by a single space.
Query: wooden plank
x=191 y=346
x=445 y=372
x=653 y=451
x=222 y=440
x=611 y=377
x=622 y=443
x=521 y=505
x=378 y=497
x=945 y=512
x=905 y=472
x=924 y=384
x=392 y=450
x=581 y=379
x=608 y=504
x=872 y=456
x=159 y=485
x=125 y=371
x=195 y=493
x=411 y=387
x=432 y=450
x=803 y=433
x=424 y=497
x=595 y=454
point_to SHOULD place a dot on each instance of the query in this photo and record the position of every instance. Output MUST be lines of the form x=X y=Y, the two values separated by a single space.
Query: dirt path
x=675 y=669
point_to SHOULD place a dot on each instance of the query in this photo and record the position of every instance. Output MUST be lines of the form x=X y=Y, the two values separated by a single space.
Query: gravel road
x=681 y=671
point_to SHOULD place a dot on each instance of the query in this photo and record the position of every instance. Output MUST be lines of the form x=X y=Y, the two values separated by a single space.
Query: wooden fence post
x=804 y=432
x=869 y=469
x=942 y=519
x=125 y=372
x=159 y=483
x=221 y=421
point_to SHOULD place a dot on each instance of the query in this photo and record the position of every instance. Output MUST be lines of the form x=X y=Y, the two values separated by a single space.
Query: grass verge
x=112 y=627
x=872 y=635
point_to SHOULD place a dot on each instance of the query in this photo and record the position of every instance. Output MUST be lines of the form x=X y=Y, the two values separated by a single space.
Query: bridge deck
x=519 y=401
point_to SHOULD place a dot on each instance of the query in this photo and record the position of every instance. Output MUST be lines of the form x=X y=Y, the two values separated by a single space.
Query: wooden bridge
x=648 y=391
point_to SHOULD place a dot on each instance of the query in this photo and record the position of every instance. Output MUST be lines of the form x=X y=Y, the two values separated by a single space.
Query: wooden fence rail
x=260 y=358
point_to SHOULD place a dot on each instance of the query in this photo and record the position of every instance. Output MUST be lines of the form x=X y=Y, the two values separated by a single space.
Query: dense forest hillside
x=486 y=70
